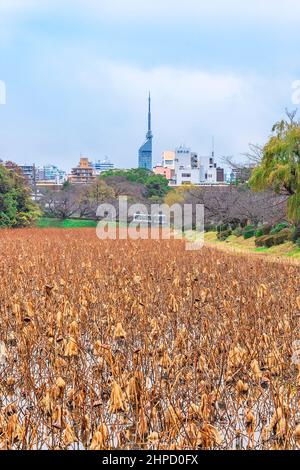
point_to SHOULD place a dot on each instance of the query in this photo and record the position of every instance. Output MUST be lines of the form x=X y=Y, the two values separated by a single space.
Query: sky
x=77 y=75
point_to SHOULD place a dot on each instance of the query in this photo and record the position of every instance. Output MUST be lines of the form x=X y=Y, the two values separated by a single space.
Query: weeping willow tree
x=280 y=165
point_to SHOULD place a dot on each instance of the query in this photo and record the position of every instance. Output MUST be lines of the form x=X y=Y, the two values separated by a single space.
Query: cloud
x=190 y=106
x=13 y=5
x=72 y=99
x=99 y=107
x=166 y=10
x=193 y=10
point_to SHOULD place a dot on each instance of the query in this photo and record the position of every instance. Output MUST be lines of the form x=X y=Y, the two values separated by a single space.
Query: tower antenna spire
x=145 y=151
x=149 y=112
x=149 y=133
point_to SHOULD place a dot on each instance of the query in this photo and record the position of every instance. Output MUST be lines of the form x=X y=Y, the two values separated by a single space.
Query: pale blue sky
x=78 y=73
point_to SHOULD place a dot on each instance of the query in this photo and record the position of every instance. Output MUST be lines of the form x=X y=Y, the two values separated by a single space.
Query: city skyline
x=76 y=78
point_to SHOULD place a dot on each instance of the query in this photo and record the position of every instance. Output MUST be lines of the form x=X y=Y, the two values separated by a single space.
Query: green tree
x=135 y=175
x=280 y=165
x=157 y=186
x=16 y=206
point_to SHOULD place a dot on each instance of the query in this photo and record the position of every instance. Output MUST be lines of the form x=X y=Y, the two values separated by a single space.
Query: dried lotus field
x=143 y=345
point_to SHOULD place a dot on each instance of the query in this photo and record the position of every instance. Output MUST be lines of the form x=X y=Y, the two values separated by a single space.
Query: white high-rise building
x=189 y=169
x=187 y=166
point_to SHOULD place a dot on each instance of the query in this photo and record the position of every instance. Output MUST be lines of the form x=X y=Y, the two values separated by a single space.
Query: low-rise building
x=102 y=165
x=168 y=173
x=220 y=175
x=83 y=173
x=168 y=159
x=51 y=174
x=29 y=172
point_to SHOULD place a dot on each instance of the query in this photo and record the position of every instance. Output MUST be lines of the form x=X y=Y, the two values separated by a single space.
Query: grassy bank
x=238 y=244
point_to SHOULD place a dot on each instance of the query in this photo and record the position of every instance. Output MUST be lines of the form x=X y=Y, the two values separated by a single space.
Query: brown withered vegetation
x=143 y=345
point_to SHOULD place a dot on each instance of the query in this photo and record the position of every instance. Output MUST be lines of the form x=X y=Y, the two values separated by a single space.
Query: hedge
x=249 y=234
x=274 y=240
x=222 y=236
x=279 y=227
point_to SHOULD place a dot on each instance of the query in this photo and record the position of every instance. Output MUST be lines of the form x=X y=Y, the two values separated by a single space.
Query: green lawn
x=46 y=222
x=262 y=249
